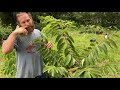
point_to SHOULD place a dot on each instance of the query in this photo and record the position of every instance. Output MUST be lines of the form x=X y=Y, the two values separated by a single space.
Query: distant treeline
x=104 y=19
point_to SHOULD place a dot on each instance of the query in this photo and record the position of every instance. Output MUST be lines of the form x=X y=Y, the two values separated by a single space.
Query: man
x=29 y=63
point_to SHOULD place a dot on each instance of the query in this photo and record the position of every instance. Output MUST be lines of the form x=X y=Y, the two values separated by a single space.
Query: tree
x=105 y=19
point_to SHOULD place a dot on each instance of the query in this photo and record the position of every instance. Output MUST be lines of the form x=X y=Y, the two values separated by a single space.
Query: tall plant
x=65 y=61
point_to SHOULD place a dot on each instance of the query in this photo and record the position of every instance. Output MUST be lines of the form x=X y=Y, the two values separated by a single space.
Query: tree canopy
x=104 y=19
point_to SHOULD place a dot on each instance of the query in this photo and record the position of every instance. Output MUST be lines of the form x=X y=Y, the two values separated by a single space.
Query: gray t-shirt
x=28 y=62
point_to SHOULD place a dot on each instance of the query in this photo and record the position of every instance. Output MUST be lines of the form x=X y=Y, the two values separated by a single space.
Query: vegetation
x=79 y=51
x=65 y=60
x=9 y=65
x=104 y=19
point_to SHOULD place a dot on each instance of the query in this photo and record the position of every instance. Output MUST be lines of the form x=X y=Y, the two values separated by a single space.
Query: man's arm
x=8 y=45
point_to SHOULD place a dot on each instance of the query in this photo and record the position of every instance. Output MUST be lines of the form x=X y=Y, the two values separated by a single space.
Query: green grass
x=83 y=41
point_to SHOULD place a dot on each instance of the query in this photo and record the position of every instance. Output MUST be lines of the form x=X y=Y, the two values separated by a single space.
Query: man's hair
x=15 y=15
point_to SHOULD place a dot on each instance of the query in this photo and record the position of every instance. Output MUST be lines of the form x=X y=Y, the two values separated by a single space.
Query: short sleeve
x=16 y=44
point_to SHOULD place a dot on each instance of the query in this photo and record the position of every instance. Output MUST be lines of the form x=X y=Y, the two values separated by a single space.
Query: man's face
x=24 y=20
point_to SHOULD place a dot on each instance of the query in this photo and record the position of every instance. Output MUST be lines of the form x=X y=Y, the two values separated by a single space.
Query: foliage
x=92 y=29
x=7 y=19
x=9 y=67
x=64 y=60
x=4 y=32
x=104 y=19
x=65 y=56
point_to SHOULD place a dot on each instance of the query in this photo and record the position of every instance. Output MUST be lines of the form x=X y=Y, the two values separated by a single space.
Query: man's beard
x=30 y=28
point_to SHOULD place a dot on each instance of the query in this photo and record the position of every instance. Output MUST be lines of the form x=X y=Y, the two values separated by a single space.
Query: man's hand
x=48 y=45
x=21 y=31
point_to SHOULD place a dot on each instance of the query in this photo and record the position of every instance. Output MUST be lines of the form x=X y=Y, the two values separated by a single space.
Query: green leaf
x=96 y=52
x=49 y=69
x=87 y=74
x=109 y=69
x=86 y=61
x=72 y=62
x=60 y=71
x=96 y=71
x=100 y=48
x=63 y=70
x=66 y=51
x=113 y=68
x=90 y=59
x=73 y=48
x=61 y=46
x=78 y=73
x=46 y=68
x=108 y=43
x=48 y=54
x=52 y=72
x=93 y=75
x=71 y=39
x=45 y=52
x=113 y=43
x=58 y=38
x=59 y=43
x=105 y=49
x=82 y=62
x=68 y=59
x=56 y=70
x=54 y=25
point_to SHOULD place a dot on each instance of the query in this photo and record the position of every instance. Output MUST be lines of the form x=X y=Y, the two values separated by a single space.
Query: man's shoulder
x=36 y=30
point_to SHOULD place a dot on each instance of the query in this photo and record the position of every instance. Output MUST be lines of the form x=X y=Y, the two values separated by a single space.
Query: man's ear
x=18 y=24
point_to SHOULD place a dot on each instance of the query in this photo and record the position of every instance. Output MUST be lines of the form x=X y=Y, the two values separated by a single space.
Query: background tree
x=105 y=19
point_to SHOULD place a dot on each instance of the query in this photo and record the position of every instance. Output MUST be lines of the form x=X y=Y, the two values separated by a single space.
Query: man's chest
x=26 y=43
